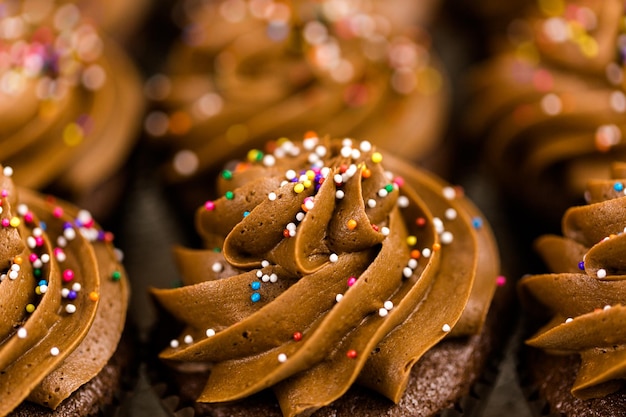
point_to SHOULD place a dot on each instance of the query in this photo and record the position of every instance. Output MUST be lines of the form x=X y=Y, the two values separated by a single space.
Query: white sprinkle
x=403 y=201
x=385 y=231
x=119 y=254
x=449 y=193
x=346 y=142
x=371 y=203
x=271 y=196
x=446 y=238
x=382 y=192
x=70 y=308
x=31 y=242
x=313 y=158
x=346 y=151
x=15 y=267
x=217 y=267
x=265 y=278
x=61 y=256
x=7 y=171
x=450 y=214
x=13 y=275
x=174 y=343
x=601 y=273
x=339 y=194
x=337 y=178
x=76 y=287
x=3 y=277
x=269 y=160
x=55 y=351
x=273 y=278
x=69 y=233
x=569 y=319
x=308 y=143
x=388 y=305
x=61 y=242
x=282 y=358
x=309 y=204
x=382 y=312
x=356 y=154
x=265 y=263
x=290 y=226
x=37 y=264
x=22 y=333
x=300 y=216
x=407 y=272
x=188 y=339
x=607 y=307
x=338 y=297
x=65 y=292
x=426 y=253
x=22 y=209
x=438 y=225
x=333 y=257
x=290 y=174
x=412 y=263
x=292 y=233
x=43 y=289
x=325 y=171
x=210 y=332
x=365 y=146
x=259 y=273
x=446 y=328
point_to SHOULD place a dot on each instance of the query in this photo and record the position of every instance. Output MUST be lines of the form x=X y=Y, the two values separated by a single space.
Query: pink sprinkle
x=4 y=193
x=5 y=222
x=68 y=275
x=28 y=217
x=39 y=241
x=399 y=181
x=209 y=205
x=32 y=257
x=57 y=212
x=57 y=251
x=351 y=281
x=501 y=280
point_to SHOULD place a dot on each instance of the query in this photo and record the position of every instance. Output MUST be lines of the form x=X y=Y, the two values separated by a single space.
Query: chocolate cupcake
x=343 y=288
x=574 y=364
x=246 y=72
x=70 y=103
x=550 y=103
x=64 y=299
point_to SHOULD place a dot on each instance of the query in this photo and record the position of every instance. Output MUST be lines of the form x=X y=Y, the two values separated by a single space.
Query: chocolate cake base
x=547 y=381
x=101 y=396
x=452 y=379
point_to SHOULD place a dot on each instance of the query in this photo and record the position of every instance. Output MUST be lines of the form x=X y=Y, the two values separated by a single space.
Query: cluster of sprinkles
x=39 y=259
x=54 y=49
x=573 y=24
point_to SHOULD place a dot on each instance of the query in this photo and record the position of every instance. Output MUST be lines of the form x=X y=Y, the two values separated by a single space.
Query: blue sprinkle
x=477 y=222
x=67 y=225
x=42 y=282
x=618 y=186
x=245 y=213
x=581 y=265
x=256 y=285
x=255 y=297
x=43 y=226
x=72 y=295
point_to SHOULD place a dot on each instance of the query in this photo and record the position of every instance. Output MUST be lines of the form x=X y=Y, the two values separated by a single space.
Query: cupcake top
x=322 y=268
x=351 y=68
x=584 y=293
x=69 y=97
x=63 y=298
x=552 y=100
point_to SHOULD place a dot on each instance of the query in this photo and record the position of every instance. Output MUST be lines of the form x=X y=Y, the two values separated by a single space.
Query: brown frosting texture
x=551 y=101
x=585 y=292
x=322 y=269
x=70 y=98
x=63 y=298
x=246 y=72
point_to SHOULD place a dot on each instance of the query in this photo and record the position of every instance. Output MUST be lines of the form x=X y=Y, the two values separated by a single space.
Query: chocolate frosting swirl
x=322 y=269
x=69 y=98
x=63 y=298
x=551 y=101
x=584 y=294
x=361 y=69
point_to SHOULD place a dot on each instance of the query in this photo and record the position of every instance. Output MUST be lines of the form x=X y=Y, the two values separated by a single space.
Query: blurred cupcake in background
x=70 y=103
x=550 y=104
x=279 y=68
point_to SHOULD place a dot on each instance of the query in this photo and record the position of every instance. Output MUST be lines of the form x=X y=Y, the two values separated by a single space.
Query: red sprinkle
x=297 y=336
x=420 y=221
x=352 y=354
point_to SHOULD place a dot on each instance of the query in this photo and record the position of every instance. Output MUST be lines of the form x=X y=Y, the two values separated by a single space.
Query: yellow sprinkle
x=298 y=188
x=429 y=81
x=377 y=157
x=589 y=47
x=310 y=174
x=307 y=183
x=37 y=290
x=411 y=240
x=15 y=221
x=73 y=134
x=552 y=7
x=30 y=308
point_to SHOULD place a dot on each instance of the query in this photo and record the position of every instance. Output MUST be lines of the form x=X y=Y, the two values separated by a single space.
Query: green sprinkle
x=229 y=195
x=227 y=175
x=116 y=275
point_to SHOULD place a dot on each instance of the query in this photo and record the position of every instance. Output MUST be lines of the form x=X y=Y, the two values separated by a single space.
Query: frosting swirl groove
x=586 y=292
x=63 y=298
x=322 y=269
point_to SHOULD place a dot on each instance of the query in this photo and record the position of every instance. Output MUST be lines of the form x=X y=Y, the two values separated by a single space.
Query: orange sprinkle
x=351 y=224
x=180 y=123
x=366 y=173
x=94 y=296
x=17 y=260
x=436 y=246
x=310 y=134
x=415 y=254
